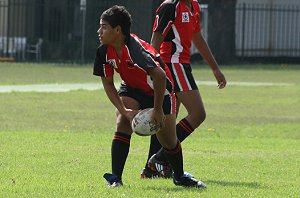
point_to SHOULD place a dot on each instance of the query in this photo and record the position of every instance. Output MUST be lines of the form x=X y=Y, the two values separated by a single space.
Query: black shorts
x=147 y=101
x=182 y=77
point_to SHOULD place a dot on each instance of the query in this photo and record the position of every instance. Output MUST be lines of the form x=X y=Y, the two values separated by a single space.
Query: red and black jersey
x=137 y=57
x=178 y=25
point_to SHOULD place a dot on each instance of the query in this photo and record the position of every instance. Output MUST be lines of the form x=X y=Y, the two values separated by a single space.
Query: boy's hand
x=130 y=113
x=158 y=117
x=220 y=78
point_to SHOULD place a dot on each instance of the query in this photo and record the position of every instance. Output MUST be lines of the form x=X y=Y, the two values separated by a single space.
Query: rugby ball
x=141 y=124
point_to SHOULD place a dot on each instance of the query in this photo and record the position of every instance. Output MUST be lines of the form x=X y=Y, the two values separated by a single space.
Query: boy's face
x=106 y=33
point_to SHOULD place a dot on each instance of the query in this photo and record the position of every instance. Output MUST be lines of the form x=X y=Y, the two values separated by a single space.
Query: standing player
x=176 y=25
x=146 y=83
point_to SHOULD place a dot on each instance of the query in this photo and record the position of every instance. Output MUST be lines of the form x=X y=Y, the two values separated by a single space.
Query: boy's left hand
x=158 y=117
x=220 y=78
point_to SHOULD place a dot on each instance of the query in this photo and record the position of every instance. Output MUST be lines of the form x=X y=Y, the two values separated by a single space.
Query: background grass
x=58 y=144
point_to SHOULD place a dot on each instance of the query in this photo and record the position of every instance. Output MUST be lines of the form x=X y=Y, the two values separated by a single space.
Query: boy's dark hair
x=118 y=15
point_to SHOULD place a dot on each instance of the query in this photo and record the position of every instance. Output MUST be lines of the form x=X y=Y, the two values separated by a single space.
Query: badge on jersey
x=130 y=64
x=185 y=17
x=113 y=63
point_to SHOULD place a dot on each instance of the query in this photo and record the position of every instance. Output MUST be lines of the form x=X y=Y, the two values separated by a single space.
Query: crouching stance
x=146 y=83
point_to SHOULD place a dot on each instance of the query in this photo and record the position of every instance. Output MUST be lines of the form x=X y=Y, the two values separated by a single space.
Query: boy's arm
x=113 y=96
x=205 y=52
x=156 y=40
x=159 y=84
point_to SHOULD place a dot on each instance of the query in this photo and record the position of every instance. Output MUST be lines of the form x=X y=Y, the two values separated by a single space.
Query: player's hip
x=146 y=100
x=182 y=77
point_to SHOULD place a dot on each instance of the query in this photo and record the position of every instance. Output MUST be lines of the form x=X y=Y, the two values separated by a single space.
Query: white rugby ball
x=141 y=124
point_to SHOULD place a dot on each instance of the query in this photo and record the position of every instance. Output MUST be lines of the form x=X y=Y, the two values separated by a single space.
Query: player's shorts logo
x=185 y=17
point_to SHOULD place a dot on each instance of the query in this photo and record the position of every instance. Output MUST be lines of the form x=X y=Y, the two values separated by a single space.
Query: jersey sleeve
x=101 y=67
x=165 y=16
x=142 y=53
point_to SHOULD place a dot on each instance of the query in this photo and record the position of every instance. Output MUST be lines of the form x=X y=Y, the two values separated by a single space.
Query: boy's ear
x=119 y=29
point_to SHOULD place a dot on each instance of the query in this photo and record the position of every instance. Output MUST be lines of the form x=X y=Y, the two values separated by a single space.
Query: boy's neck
x=118 y=45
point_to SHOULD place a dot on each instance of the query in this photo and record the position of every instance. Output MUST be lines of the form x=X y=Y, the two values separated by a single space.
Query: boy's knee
x=202 y=117
x=197 y=119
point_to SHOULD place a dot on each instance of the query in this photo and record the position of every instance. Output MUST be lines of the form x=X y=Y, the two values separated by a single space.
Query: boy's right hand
x=130 y=113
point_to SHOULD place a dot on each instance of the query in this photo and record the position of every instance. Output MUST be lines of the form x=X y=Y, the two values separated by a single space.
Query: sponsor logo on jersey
x=130 y=64
x=113 y=63
x=185 y=17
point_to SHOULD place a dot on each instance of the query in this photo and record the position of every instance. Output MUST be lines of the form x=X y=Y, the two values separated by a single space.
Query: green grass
x=58 y=144
x=28 y=73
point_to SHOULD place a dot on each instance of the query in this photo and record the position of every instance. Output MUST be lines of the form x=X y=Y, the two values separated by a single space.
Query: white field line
x=49 y=87
x=245 y=84
x=96 y=86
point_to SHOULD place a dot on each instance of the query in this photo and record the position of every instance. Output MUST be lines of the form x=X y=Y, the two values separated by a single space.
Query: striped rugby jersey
x=177 y=24
x=137 y=57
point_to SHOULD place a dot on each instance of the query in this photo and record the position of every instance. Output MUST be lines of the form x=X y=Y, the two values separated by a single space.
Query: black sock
x=183 y=129
x=119 y=153
x=160 y=155
x=155 y=146
x=176 y=160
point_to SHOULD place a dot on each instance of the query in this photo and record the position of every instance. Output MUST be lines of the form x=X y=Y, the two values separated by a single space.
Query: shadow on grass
x=227 y=183
x=174 y=189
x=208 y=182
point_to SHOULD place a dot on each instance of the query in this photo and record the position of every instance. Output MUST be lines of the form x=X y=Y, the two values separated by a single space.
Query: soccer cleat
x=187 y=180
x=112 y=180
x=163 y=168
x=188 y=175
x=149 y=174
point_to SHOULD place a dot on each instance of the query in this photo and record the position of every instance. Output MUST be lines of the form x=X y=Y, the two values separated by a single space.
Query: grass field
x=58 y=144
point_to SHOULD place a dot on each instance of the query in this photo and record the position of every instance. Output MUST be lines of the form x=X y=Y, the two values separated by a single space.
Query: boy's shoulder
x=138 y=44
x=170 y=2
x=102 y=50
x=102 y=47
